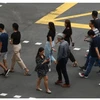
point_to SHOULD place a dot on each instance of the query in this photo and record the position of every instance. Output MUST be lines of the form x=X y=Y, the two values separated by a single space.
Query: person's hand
x=46 y=60
x=99 y=57
x=53 y=49
x=10 y=42
x=73 y=44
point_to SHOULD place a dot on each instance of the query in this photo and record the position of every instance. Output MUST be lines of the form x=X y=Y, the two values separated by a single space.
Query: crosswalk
x=5 y=95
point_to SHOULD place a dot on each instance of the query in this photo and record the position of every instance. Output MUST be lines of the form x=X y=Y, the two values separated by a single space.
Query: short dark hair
x=1 y=26
x=94 y=13
x=91 y=32
x=15 y=26
x=92 y=22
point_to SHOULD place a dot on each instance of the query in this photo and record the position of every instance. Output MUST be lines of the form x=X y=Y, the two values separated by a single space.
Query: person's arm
x=97 y=51
x=0 y=46
x=60 y=52
x=50 y=39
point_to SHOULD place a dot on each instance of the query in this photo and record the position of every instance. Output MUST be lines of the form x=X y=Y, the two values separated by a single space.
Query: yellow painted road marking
x=52 y=15
x=75 y=16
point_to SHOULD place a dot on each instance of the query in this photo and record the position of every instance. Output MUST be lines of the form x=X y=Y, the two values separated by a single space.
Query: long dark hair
x=52 y=27
x=68 y=25
x=39 y=50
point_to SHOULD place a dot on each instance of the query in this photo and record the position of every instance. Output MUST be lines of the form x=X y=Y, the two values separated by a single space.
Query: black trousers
x=71 y=57
x=61 y=69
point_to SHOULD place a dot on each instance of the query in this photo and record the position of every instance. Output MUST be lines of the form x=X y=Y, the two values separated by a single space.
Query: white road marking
x=77 y=49
x=87 y=50
x=3 y=94
x=32 y=98
x=17 y=96
x=25 y=41
x=38 y=43
x=0 y=5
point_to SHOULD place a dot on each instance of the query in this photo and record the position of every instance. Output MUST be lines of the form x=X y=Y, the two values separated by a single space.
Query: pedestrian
x=89 y=39
x=3 y=49
x=42 y=69
x=94 y=53
x=96 y=19
x=62 y=58
x=15 y=41
x=68 y=37
x=49 y=46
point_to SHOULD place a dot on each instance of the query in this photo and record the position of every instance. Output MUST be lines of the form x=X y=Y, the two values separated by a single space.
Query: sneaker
x=82 y=75
x=6 y=72
x=98 y=72
x=2 y=74
x=66 y=85
x=58 y=82
x=82 y=68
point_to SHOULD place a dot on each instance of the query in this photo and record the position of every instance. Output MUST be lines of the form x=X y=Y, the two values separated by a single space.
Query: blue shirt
x=4 y=39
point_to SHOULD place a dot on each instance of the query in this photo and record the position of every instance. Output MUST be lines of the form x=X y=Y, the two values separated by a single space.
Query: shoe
x=49 y=92
x=98 y=72
x=82 y=68
x=58 y=82
x=66 y=85
x=6 y=72
x=27 y=74
x=99 y=84
x=39 y=89
x=2 y=74
x=82 y=75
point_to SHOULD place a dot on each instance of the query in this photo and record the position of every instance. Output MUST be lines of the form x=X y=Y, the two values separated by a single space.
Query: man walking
x=3 y=49
x=62 y=58
x=94 y=53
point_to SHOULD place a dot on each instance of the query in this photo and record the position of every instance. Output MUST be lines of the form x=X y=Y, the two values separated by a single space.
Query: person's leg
x=38 y=84
x=46 y=84
x=58 y=69
x=90 y=65
x=5 y=59
x=72 y=58
x=64 y=71
x=13 y=62
x=6 y=71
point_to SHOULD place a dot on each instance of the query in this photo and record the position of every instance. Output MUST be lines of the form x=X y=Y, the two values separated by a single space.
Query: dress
x=40 y=68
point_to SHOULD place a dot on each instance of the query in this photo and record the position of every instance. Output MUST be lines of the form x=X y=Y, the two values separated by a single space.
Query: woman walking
x=67 y=36
x=50 y=43
x=42 y=69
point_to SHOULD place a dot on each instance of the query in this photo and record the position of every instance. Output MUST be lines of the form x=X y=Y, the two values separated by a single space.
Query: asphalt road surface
x=25 y=86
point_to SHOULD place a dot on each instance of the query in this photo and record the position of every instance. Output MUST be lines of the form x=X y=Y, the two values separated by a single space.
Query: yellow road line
x=75 y=16
x=52 y=15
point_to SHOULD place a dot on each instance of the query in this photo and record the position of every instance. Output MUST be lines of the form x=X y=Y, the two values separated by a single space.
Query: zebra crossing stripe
x=3 y=94
x=17 y=96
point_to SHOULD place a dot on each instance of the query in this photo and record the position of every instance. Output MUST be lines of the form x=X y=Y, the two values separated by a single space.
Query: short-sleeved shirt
x=4 y=39
x=94 y=43
x=68 y=34
x=16 y=36
x=97 y=24
x=51 y=34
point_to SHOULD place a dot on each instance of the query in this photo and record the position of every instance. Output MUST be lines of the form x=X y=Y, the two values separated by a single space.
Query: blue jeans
x=90 y=64
x=49 y=52
x=87 y=60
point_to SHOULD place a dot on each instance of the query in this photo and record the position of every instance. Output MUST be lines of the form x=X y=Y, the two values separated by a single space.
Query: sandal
x=39 y=89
